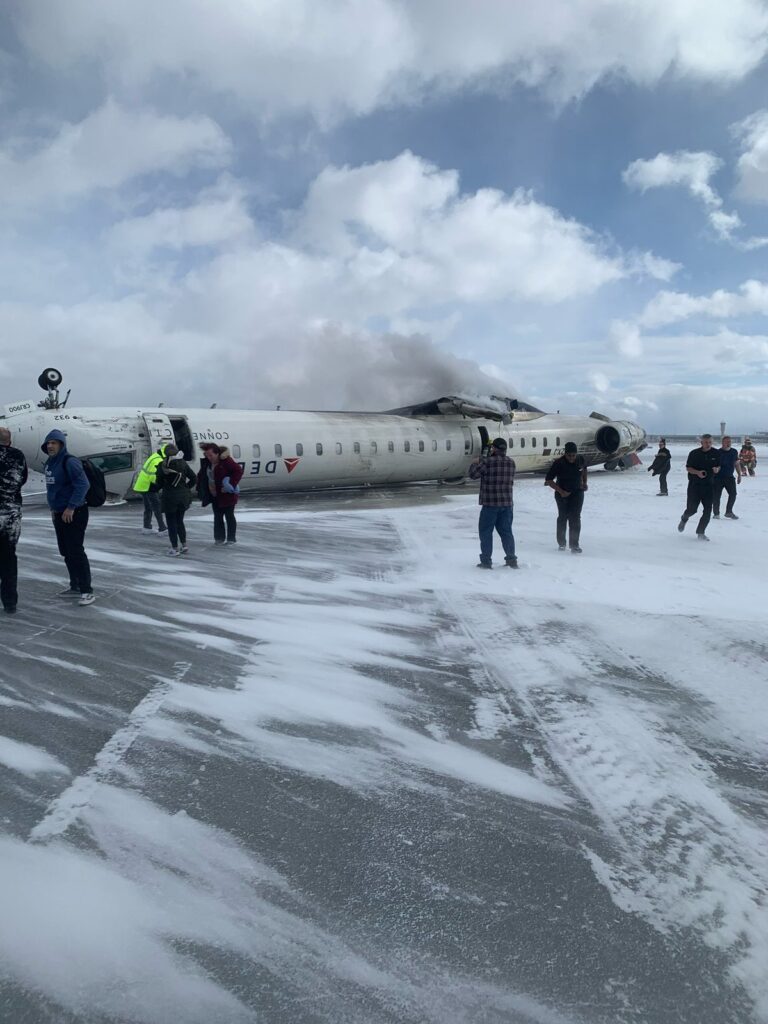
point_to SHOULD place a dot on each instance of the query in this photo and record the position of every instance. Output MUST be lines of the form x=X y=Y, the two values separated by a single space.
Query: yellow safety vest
x=148 y=472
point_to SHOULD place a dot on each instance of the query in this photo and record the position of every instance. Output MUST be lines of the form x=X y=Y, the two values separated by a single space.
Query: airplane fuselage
x=285 y=450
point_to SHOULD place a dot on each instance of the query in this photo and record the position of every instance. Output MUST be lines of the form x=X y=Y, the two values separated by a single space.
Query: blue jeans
x=498 y=517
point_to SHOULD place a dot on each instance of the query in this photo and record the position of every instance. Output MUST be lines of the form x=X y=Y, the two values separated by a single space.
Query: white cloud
x=673 y=307
x=218 y=216
x=753 y=162
x=625 y=338
x=694 y=172
x=352 y=56
x=600 y=381
x=403 y=227
x=111 y=146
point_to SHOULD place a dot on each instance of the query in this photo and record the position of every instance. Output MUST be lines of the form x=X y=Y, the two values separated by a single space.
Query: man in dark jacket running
x=702 y=465
x=66 y=487
x=725 y=481
x=496 y=473
x=567 y=477
x=13 y=476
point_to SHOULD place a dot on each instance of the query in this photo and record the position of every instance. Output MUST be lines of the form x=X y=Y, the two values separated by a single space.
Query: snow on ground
x=336 y=773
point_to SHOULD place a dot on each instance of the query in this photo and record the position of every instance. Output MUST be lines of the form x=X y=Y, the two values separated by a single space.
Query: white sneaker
x=172 y=553
x=183 y=550
x=147 y=529
x=69 y=592
x=86 y=599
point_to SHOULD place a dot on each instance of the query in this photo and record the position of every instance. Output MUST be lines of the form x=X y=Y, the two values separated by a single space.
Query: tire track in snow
x=681 y=855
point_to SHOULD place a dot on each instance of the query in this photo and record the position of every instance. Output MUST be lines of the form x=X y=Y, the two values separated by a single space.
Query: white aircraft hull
x=282 y=450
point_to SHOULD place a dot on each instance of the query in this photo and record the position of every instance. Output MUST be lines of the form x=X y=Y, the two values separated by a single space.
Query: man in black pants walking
x=702 y=465
x=567 y=477
x=725 y=481
x=13 y=476
x=660 y=466
x=66 y=487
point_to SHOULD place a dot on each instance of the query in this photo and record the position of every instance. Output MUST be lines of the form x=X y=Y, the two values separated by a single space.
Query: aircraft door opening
x=159 y=429
x=485 y=440
x=467 y=440
x=183 y=436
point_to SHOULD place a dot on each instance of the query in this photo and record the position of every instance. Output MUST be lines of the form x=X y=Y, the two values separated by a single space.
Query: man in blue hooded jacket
x=66 y=487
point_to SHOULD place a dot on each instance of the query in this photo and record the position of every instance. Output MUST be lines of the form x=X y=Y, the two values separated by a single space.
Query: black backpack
x=97 y=485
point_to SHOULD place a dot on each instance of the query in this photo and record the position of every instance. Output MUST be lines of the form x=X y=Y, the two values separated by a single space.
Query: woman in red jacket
x=217 y=480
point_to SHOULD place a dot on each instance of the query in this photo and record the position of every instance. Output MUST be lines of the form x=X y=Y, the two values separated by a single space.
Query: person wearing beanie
x=175 y=481
x=567 y=477
x=66 y=487
x=496 y=473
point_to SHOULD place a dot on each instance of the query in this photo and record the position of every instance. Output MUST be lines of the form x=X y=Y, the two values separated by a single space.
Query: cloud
x=403 y=227
x=349 y=57
x=625 y=338
x=673 y=307
x=107 y=149
x=218 y=216
x=753 y=162
x=692 y=171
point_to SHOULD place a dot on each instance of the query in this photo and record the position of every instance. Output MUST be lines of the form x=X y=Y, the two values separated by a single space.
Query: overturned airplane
x=284 y=450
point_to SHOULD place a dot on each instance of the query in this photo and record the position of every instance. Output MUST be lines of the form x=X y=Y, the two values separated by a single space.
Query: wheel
x=49 y=378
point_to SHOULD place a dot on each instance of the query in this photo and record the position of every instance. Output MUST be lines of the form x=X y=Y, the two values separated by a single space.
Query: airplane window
x=278 y=449
x=522 y=442
x=299 y=448
x=434 y=446
x=406 y=446
x=257 y=451
x=114 y=462
x=235 y=451
x=356 y=447
x=544 y=441
x=557 y=441
x=374 y=447
x=533 y=442
x=390 y=446
x=338 y=448
x=448 y=444
x=511 y=442
x=319 y=448
x=421 y=446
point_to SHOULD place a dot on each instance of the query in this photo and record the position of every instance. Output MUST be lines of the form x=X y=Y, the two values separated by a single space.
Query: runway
x=337 y=774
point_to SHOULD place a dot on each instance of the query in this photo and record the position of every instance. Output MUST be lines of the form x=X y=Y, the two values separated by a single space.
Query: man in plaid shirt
x=497 y=477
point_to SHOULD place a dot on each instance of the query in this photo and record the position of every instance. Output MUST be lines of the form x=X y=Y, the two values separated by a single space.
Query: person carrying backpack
x=175 y=481
x=66 y=488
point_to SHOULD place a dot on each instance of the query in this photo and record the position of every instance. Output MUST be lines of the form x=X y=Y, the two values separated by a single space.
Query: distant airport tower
x=722 y=428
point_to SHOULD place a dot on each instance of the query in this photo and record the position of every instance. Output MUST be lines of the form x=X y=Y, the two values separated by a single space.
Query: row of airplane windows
x=373 y=447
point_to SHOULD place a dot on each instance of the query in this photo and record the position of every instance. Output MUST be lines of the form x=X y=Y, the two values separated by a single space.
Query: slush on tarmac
x=334 y=774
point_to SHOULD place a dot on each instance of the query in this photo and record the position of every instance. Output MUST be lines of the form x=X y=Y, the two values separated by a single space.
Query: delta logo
x=291 y=464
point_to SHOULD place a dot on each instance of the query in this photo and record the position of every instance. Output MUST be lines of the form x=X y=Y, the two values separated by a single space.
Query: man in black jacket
x=660 y=466
x=13 y=476
x=702 y=465
x=567 y=477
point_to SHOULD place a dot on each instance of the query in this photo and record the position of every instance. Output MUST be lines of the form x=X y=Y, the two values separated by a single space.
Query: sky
x=355 y=204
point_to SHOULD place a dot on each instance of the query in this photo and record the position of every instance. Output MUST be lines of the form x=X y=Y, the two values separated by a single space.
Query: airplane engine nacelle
x=608 y=439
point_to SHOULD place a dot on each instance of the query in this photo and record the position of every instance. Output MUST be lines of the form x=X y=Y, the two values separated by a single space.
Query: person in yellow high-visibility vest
x=146 y=486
